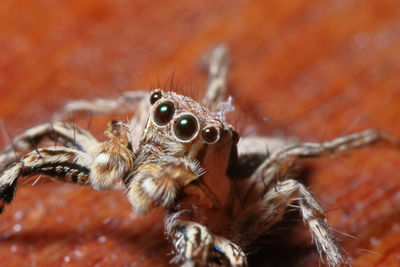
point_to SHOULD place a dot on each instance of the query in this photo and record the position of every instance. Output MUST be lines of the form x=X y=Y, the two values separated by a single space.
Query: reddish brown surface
x=317 y=69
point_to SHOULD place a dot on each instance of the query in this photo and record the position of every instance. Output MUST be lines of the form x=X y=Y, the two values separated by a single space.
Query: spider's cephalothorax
x=219 y=195
x=174 y=151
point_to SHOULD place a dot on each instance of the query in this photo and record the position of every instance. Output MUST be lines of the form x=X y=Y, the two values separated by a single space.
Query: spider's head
x=181 y=127
x=181 y=142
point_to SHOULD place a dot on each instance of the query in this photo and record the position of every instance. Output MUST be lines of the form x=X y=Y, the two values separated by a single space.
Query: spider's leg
x=66 y=134
x=127 y=102
x=101 y=166
x=131 y=101
x=267 y=184
x=262 y=214
x=138 y=122
x=252 y=152
x=61 y=163
x=262 y=144
x=217 y=62
x=276 y=165
x=195 y=245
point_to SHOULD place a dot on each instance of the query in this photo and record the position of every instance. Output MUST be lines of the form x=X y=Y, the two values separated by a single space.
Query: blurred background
x=311 y=69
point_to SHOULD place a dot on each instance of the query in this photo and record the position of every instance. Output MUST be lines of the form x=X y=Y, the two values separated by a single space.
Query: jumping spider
x=220 y=194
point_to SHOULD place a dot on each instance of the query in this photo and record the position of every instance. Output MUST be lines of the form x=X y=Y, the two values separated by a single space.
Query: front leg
x=196 y=246
x=61 y=163
x=101 y=166
x=65 y=134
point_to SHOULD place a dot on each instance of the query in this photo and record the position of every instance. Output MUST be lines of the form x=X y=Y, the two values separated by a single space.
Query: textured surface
x=316 y=69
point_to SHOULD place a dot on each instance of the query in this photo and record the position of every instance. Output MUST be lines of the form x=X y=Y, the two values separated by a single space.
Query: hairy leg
x=131 y=101
x=66 y=134
x=264 y=145
x=101 y=166
x=61 y=163
x=217 y=65
x=261 y=215
x=127 y=102
x=196 y=246
x=266 y=191
x=275 y=167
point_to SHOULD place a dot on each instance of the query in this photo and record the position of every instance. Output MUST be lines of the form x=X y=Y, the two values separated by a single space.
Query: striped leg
x=66 y=134
x=196 y=246
x=101 y=166
x=258 y=217
x=61 y=163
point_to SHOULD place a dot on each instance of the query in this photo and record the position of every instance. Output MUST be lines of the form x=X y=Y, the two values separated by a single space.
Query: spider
x=220 y=193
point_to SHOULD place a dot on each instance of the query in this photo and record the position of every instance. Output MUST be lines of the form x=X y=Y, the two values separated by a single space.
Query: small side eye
x=185 y=127
x=155 y=96
x=210 y=134
x=164 y=113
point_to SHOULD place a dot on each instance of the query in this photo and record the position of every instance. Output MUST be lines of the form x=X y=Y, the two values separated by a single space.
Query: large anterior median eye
x=164 y=113
x=185 y=127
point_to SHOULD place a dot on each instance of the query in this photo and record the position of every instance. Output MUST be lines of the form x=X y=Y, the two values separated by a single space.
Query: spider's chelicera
x=186 y=158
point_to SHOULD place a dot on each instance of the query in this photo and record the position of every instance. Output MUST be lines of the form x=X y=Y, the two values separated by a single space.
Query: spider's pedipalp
x=160 y=182
x=113 y=159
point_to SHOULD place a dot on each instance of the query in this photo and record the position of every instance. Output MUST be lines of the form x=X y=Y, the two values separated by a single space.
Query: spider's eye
x=210 y=134
x=154 y=97
x=185 y=127
x=164 y=113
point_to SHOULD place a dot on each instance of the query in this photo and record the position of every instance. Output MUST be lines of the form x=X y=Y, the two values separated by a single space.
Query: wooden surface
x=314 y=69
